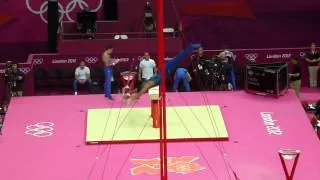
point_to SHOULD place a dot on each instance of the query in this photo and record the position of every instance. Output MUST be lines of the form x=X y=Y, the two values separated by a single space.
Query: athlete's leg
x=145 y=87
x=107 y=83
x=182 y=55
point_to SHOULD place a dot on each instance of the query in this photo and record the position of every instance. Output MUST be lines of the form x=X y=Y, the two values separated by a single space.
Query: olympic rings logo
x=38 y=61
x=42 y=129
x=64 y=12
x=251 y=57
x=25 y=69
x=91 y=60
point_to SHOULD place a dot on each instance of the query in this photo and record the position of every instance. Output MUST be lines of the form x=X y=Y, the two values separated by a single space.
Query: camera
x=148 y=10
x=149 y=23
x=216 y=73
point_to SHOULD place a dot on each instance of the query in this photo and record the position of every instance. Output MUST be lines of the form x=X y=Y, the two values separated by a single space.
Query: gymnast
x=169 y=67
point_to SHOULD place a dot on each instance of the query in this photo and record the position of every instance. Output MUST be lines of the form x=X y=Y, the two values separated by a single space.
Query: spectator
x=82 y=76
x=182 y=75
x=18 y=77
x=295 y=76
x=147 y=68
x=313 y=59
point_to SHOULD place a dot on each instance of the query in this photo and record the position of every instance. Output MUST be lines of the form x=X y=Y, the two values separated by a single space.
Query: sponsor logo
x=64 y=61
x=179 y=165
x=42 y=129
x=271 y=124
x=63 y=11
x=38 y=61
x=251 y=57
x=279 y=56
x=91 y=60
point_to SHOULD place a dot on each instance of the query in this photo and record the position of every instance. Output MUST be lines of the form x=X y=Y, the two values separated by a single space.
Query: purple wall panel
x=274 y=23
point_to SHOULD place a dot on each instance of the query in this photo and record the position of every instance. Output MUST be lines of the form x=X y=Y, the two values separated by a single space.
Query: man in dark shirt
x=198 y=67
x=313 y=59
x=199 y=60
x=295 y=76
x=17 y=81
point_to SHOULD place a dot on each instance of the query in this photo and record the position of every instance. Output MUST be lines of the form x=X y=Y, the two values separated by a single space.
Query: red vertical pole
x=162 y=91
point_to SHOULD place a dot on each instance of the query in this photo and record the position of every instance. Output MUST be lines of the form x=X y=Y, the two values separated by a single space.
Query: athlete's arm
x=108 y=61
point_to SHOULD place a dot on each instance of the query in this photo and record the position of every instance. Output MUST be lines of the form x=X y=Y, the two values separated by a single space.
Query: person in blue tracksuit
x=109 y=63
x=169 y=67
x=183 y=76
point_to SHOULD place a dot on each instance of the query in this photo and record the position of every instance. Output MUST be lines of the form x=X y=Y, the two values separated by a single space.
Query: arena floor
x=185 y=123
x=44 y=137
